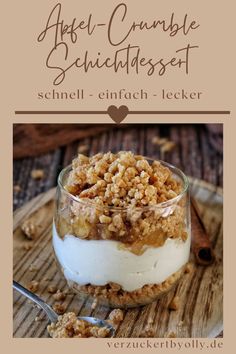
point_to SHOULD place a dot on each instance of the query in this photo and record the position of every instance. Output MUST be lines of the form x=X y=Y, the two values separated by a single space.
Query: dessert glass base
x=113 y=296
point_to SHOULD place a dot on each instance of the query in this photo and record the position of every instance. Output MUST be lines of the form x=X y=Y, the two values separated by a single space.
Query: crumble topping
x=121 y=180
x=69 y=326
x=117 y=200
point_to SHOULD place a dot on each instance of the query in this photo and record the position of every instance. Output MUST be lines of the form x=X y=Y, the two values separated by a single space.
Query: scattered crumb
x=171 y=335
x=150 y=320
x=59 y=295
x=94 y=304
x=29 y=229
x=33 y=268
x=180 y=324
x=82 y=149
x=37 y=319
x=165 y=144
x=46 y=279
x=16 y=188
x=156 y=140
x=37 y=174
x=174 y=304
x=116 y=316
x=189 y=268
x=52 y=289
x=168 y=146
x=27 y=246
x=182 y=330
x=33 y=286
x=67 y=292
x=148 y=332
x=59 y=308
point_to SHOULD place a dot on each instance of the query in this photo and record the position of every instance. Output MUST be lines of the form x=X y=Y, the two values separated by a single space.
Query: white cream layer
x=99 y=262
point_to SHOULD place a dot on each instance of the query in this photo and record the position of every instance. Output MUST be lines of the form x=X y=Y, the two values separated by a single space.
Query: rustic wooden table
x=194 y=153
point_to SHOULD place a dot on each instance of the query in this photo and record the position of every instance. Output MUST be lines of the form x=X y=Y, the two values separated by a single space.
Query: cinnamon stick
x=201 y=244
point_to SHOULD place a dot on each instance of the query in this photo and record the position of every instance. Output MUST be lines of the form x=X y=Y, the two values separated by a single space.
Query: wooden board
x=201 y=305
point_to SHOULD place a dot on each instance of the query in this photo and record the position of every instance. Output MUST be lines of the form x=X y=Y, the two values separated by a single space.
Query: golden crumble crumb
x=33 y=267
x=59 y=308
x=16 y=188
x=165 y=144
x=150 y=320
x=29 y=229
x=94 y=304
x=27 y=246
x=156 y=140
x=168 y=146
x=33 y=286
x=59 y=295
x=82 y=149
x=189 y=267
x=171 y=335
x=148 y=332
x=52 y=289
x=116 y=316
x=37 y=174
x=104 y=219
x=174 y=304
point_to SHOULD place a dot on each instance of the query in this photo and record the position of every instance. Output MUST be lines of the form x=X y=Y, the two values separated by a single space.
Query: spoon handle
x=49 y=311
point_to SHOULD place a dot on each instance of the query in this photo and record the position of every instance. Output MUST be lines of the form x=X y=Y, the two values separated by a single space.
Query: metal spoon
x=52 y=315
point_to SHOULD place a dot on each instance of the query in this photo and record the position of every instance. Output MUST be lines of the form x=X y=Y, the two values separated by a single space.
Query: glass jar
x=131 y=271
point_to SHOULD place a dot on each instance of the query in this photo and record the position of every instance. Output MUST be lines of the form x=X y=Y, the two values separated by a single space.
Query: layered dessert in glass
x=121 y=229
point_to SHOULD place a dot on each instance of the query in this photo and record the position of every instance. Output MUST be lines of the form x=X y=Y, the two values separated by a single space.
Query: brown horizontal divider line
x=60 y=112
x=129 y=112
x=179 y=112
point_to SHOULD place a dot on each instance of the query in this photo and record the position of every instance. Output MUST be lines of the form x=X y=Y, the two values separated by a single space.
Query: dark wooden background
x=196 y=153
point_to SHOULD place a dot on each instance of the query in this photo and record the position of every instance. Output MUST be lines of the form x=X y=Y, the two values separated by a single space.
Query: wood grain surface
x=200 y=291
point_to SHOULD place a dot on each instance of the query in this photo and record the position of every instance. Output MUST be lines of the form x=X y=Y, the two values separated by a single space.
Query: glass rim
x=145 y=207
